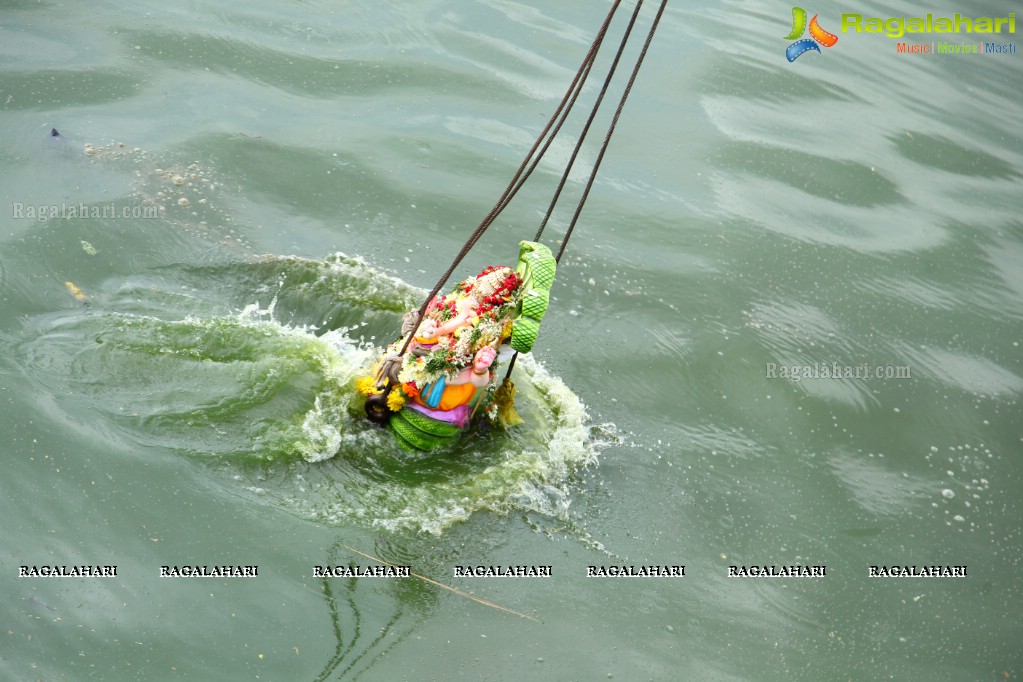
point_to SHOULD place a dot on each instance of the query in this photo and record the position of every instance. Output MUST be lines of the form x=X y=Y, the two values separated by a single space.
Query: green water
x=313 y=167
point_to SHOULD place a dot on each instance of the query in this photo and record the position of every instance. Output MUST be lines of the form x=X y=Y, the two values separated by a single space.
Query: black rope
x=543 y=142
x=611 y=127
x=521 y=175
x=575 y=88
x=589 y=121
x=606 y=142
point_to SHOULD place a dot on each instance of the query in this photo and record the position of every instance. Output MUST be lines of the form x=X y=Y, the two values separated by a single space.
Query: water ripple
x=325 y=76
x=47 y=89
x=968 y=372
x=940 y=153
x=875 y=488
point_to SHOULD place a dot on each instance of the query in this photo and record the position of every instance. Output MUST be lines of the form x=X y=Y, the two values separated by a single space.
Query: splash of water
x=268 y=406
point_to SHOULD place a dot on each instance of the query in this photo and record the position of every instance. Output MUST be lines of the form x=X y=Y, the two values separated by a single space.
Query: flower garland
x=499 y=298
x=444 y=308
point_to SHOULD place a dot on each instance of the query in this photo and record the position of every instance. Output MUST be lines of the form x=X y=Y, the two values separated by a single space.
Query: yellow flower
x=366 y=385
x=396 y=400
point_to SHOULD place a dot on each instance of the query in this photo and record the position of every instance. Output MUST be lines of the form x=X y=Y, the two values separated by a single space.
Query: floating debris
x=89 y=248
x=54 y=132
x=113 y=150
x=75 y=291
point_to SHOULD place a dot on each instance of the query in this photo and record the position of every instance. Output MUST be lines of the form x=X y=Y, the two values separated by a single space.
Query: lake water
x=176 y=386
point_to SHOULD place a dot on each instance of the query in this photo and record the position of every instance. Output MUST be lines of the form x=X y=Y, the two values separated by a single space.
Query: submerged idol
x=446 y=376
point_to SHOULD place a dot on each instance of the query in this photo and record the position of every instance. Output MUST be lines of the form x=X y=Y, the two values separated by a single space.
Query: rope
x=521 y=175
x=543 y=142
x=614 y=123
x=589 y=121
x=604 y=145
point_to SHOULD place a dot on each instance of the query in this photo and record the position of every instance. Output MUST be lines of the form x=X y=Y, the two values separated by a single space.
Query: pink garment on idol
x=458 y=416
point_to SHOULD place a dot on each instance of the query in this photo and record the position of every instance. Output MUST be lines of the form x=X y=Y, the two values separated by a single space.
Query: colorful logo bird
x=818 y=35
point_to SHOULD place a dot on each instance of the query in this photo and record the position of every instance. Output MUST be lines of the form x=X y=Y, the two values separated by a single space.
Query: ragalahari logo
x=818 y=35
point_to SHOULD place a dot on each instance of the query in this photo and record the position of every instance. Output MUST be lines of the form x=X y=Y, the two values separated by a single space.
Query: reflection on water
x=360 y=639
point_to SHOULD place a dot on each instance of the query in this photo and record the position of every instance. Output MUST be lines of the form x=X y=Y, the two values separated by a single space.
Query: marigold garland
x=367 y=386
x=396 y=399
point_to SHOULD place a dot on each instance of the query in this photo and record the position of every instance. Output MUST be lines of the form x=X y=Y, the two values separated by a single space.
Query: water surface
x=316 y=166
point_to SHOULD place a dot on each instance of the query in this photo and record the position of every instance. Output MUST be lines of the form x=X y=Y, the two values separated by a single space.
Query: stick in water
x=446 y=587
